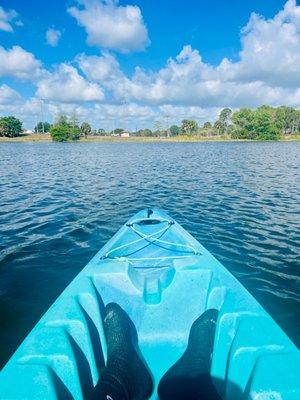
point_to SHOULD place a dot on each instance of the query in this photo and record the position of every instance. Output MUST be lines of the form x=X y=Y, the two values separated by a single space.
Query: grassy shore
x=28 y=138
x=181 y=138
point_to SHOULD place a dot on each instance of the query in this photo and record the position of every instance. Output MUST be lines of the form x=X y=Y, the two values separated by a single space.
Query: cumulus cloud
x=67 y=85
x=100 y=68
x=8 y=95
x=270 y=50
x=109 y=25
x=185 y=80
x=268 y=70
x=6 y=19
x=53 y=36
x=19 y=63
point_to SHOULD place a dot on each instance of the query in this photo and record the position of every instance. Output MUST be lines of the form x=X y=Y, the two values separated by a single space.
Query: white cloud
x=270 y=50
x=124 y=111
x=53 y=36
x=27 y=110
x=8 y=95
x=66 y=85
x=178 y=113
x=100 y=69
x=185 y=80
x=6 y=19
x=268 y=70
x=111 y=26
x=107 y=116
x=19 y=63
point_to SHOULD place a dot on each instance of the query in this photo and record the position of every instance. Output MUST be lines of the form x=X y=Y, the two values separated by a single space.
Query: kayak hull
x=164 y=279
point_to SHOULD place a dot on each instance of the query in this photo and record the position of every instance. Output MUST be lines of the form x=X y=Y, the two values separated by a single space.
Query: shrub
x=64 y=131
x=10 y=126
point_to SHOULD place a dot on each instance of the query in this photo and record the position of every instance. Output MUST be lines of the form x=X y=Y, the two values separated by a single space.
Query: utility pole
x=124 y=114
x=74 y=119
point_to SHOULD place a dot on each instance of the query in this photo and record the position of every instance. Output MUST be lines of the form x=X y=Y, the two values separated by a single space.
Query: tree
x=287 y=119
x=147 y=132
x=259 y=124
x=10 y=126
x=174 y=130
x=207 y=129
x=144 y=132
x=62 y=120
x=264 y=126
x=86 y=129
x=189 y=126
x=42 y=127
x=64 y=131
x=158 y=129
x=118 y=131
x=244 y=124
x=224 y=119
x=101 y=132
x=73 y=121
x=297 y=129
x=207 y=125
x=219 y=127
x=225 y=115
x=60 y=133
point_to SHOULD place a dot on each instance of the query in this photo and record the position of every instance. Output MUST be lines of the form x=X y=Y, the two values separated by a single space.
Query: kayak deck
x=164 y=280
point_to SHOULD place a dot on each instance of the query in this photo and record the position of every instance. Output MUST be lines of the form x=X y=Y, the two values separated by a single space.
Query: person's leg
x=189 y=378
x=125 y=376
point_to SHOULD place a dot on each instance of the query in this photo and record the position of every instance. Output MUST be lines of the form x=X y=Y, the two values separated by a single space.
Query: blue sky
x=137 y=62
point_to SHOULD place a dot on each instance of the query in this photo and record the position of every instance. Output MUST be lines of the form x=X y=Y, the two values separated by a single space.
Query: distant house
x=28 y=132
x=125 y=134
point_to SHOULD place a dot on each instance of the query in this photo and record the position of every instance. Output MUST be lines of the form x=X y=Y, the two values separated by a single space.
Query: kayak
x=163 y=279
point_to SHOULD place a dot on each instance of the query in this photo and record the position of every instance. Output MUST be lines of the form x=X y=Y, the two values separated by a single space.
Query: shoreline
x=35 y=138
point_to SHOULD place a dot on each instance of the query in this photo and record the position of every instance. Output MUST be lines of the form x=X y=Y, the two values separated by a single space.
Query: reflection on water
x=61 y=202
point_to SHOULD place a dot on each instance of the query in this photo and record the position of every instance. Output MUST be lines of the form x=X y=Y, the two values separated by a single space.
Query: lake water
x=61 y=202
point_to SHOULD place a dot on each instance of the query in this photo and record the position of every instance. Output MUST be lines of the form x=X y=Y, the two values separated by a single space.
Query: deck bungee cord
x=151 y=239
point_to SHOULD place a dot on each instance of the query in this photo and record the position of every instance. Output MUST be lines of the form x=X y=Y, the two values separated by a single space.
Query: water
x=61 y=202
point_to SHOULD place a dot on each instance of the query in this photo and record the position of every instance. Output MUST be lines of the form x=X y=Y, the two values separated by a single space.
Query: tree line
x=264 y=123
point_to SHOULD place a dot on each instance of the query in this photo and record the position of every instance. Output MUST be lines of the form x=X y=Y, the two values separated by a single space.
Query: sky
x=137 y=63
